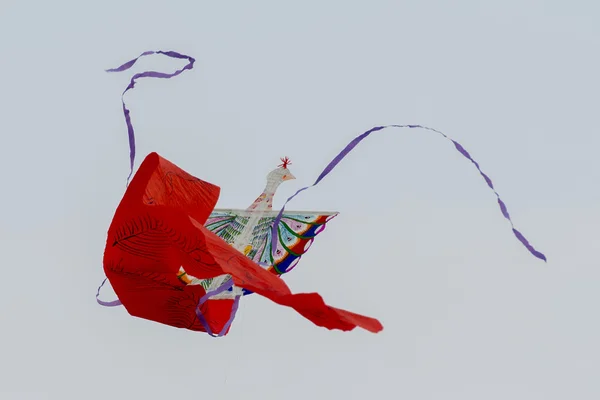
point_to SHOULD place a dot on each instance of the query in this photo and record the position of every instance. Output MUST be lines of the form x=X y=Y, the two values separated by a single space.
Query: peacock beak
x=288 y=176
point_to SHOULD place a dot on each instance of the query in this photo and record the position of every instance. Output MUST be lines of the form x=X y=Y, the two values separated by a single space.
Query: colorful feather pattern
x=296 y=231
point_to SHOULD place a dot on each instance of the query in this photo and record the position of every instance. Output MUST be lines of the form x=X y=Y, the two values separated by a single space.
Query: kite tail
x=458 y=147
x=126 y=112
x=225 y=286
x=147 y=74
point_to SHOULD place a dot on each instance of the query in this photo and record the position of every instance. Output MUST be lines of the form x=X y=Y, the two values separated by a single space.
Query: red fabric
x=159 y=226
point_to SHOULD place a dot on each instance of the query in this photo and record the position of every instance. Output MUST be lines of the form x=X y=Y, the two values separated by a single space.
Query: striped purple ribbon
x=147 y=74
x=358 y=139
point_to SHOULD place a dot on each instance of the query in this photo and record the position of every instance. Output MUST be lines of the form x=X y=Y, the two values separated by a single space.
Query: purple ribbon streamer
x=147 y=74
x=130 y=131
x=458 y=147
x=225 y=286
x=113 y=303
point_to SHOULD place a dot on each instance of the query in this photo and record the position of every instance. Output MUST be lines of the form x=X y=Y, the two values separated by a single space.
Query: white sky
x=420 y=242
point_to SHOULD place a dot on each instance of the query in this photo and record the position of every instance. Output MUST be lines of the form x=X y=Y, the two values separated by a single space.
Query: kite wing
x=296 y=231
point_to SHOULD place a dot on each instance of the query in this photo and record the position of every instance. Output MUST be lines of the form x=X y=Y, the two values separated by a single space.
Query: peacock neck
x=265 y=200
x=271 y=187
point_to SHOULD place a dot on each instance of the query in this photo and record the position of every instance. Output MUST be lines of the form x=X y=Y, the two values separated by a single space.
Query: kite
x=158 y=231
x=173 y=258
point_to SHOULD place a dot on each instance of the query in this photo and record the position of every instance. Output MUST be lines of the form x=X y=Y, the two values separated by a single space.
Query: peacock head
x=281 y=173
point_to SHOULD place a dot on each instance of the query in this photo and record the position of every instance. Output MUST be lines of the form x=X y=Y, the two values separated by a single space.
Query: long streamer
x=147 y=74
x=458 y=147
x=126 y=112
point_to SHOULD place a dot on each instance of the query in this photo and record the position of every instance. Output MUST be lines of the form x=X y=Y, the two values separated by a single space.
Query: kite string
x=336 y=160
x=147 y=74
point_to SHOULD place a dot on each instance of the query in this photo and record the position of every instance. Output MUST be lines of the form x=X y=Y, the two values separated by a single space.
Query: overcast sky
x=420 y=242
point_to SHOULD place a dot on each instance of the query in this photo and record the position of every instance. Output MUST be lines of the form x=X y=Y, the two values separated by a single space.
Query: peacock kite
x=173 y=258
